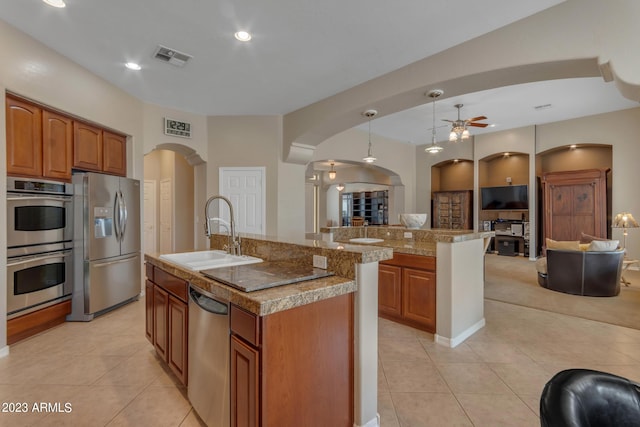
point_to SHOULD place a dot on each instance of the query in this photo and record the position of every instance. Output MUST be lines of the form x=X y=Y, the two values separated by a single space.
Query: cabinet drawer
x=171 y=283
x=413 y=261
x=245 y=325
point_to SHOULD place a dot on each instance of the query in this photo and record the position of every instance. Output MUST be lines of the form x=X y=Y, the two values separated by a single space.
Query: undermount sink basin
x=365 y=240
x=204 y=260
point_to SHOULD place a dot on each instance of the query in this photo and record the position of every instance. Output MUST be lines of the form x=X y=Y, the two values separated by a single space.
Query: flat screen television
x=510 y=197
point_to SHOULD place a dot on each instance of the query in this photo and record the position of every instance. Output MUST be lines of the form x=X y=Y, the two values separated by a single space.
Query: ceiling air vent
x=171 y=56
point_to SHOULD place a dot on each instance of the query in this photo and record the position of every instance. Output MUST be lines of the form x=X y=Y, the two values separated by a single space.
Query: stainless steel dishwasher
x=208 y=381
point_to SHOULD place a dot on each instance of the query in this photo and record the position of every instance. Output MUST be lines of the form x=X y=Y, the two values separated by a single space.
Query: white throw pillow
x=541 y=265
x=603 y=245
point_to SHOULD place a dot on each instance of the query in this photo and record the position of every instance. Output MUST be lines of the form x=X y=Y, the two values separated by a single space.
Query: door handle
x=21 y=261
x=120 y=261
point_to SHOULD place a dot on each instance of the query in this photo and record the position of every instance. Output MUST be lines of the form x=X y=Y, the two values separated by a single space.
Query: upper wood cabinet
x=57 y=145
x=99 y=150
x=42 y=143
x=24 y=138
x=87 y=147
x=114 y=153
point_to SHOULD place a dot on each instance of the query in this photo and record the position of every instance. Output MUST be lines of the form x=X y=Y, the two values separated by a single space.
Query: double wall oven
x=39 y=244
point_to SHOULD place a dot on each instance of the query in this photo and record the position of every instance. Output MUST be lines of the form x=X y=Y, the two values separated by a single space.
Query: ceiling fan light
x=465 y=134
x=453 y=137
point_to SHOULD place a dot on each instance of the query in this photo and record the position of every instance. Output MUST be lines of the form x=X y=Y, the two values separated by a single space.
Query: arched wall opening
x=328 y=206
x=174 y=195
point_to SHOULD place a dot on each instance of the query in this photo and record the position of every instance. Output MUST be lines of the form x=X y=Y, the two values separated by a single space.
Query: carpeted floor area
x=514 y=280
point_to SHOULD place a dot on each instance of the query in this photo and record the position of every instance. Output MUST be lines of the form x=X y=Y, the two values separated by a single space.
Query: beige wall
x=454 y=176
x=253 y=141
x=495 y=171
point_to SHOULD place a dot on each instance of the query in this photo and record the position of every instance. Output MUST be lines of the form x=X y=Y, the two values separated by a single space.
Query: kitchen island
x=301 y=354
x=453 y=259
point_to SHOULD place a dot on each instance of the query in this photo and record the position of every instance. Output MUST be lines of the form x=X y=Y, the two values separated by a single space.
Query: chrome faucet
x=233 y=247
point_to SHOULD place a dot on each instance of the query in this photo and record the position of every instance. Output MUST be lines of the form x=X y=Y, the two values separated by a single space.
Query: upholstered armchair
x=577 y=272
x=587 y=398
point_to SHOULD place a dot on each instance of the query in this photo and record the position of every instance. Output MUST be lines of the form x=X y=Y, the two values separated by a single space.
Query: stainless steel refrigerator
x=107 y=268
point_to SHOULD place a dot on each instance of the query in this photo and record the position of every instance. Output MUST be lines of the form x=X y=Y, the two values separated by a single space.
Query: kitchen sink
x=204 y=260
x=365 y=240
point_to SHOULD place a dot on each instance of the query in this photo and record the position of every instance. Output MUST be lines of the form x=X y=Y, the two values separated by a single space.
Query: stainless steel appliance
x=208 y=381
x=39 y=244
x=106 y=243
x=38 y=212
x=38 y=276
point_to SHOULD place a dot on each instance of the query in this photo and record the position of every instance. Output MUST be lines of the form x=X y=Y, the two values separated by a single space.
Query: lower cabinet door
x=244 y=384
x=160 y=303
x=178 y=334
x=390 y=290
x=148 y=298
x=419 y=297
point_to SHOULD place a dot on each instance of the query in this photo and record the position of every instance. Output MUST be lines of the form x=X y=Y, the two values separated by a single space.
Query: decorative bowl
x=413 y=220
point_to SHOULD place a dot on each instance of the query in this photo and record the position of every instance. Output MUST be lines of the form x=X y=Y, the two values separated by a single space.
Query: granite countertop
x=266 y=301
x=427 y=247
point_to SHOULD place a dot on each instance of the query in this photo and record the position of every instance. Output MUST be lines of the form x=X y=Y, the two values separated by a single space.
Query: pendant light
x=434 y=148
x=340 y=187
x=369 y=114
x=332 y=173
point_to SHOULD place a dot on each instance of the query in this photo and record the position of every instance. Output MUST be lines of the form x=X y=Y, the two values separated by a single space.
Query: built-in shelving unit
x=373 y=206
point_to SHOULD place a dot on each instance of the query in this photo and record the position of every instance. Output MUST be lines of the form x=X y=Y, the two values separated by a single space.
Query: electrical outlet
x=408 y=235
x=320 y=261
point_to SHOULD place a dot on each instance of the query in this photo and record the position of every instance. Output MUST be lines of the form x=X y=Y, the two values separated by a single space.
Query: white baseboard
x=371 y=423
x=4 y=351
x=453 y=342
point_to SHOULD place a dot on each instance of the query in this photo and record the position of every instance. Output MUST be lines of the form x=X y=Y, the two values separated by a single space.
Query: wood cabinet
x=43 y=143
x=293 y=367
x=114 y=153
x=407 y=290
x=87 y=147
x=575 y=202
x=39 y=141
x=452 y=210
x=167 y=318
x=57 y=145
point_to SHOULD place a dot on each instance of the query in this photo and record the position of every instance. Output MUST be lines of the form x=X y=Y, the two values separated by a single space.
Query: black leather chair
x=595 y=274
x=586 y=398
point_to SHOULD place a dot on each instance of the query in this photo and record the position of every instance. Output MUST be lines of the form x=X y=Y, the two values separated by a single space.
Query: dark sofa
x=587 y=273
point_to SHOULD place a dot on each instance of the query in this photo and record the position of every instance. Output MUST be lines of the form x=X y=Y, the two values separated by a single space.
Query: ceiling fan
x=459 y=129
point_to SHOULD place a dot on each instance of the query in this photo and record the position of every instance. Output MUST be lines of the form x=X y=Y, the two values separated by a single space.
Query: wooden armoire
x=574 y=202
x=453 y=210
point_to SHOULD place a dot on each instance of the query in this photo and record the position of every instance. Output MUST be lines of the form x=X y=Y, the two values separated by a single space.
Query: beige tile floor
x=110 y=375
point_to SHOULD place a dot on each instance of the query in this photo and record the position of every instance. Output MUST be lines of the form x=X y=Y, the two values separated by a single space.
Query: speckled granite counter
x=341 y=259
x=265 y=301
x=422 y=242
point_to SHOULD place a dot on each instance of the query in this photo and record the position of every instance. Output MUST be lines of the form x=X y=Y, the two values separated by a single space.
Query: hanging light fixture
x=332 y=173
x=340 y=187
x=434 y=148
x=369 y=114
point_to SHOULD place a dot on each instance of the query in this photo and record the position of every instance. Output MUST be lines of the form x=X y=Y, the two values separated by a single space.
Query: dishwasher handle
x=208 y=304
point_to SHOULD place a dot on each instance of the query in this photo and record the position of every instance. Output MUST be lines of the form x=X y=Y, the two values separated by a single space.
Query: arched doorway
x=174 y=193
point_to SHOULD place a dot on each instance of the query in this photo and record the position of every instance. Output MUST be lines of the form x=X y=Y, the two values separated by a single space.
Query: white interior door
x=150 y=218
x=246 y=188
x=166 y=216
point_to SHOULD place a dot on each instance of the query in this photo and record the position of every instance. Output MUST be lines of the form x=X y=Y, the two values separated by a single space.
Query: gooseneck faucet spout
x=233 y=246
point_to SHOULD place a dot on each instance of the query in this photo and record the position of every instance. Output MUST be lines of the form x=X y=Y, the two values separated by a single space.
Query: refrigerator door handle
x=125 y=214
x=116 y=216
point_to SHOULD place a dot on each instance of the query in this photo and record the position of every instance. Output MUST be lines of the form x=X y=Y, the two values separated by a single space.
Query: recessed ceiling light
x=55 y=3
x=243 y=36
x=133 y=66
